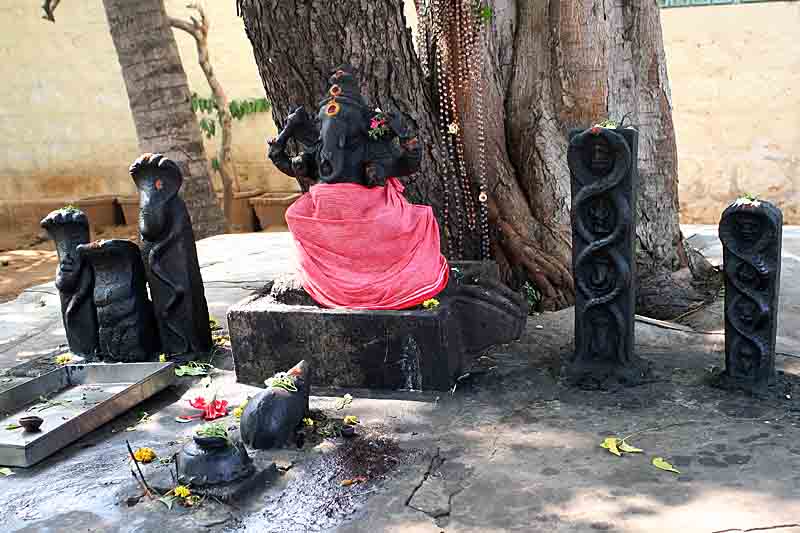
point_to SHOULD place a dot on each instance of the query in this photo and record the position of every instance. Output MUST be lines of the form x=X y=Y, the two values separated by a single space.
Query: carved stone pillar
x=69 y=228
x=602 y=164
x=125 y=315
x=171 y=257
x=751 y=232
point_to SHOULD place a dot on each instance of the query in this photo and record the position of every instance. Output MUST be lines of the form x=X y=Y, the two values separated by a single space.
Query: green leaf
x=215 y=164
x=610 y=444
x=6 y=471
x=12 y=427
x=661 y=464
x=344 y=401
x=627 y=448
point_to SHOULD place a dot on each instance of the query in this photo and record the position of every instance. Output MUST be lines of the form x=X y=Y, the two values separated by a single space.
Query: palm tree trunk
x=160 y=101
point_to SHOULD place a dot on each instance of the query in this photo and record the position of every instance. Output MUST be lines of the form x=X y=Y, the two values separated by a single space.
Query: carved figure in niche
x=603 y=339
x=748 y=228
x=176 y=284
x=602 y=276
x=69 y=228
x=360 y=244
x=124 y=313
x=602 y=165
x=601 y=216
x=750 y=231
x=601 y=158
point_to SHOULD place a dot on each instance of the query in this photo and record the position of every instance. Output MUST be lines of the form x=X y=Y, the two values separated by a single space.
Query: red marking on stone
x=159 y=185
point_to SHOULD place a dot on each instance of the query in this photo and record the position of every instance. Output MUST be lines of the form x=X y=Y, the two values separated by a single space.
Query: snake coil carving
x=750 y=231
x=176 y=284
x=601 y=162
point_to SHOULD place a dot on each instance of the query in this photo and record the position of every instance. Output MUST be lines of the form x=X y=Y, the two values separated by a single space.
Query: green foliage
x=485 y=12
x=238 y=109
x=215 y=429
x=533 y=295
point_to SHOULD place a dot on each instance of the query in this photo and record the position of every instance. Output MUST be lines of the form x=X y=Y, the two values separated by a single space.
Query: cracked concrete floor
x=511 y=450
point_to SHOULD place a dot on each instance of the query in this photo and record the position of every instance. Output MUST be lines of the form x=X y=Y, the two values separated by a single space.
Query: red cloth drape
x=366 y=248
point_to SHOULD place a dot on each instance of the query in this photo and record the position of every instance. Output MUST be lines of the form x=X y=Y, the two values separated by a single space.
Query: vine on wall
x=210 y=118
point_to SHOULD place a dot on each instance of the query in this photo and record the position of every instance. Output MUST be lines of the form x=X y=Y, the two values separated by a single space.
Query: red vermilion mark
x=159 y=185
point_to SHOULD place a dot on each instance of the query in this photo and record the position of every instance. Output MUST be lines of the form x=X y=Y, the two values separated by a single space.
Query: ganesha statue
x=360 y=243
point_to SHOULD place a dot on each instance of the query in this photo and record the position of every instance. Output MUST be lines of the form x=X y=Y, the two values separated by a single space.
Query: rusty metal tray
x=76 y=400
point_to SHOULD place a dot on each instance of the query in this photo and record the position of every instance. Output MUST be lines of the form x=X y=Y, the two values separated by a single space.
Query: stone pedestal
x=751 y=232
x=602 y=165
x=417 y=349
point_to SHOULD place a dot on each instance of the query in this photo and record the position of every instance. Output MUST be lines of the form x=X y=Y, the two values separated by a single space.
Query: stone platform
x=415 y=349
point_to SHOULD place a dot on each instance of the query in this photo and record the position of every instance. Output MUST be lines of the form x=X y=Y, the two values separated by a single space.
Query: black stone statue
x=127 y=330
x=348 y=143
x=270 y=418
x=168 y=246
x=69 y=228
x=602 y=164
x=751 y=231
x=208 y=461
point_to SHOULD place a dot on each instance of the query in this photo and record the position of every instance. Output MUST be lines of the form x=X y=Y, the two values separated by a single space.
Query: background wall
x=65 y=127
x=66 y=131
x=735 y=77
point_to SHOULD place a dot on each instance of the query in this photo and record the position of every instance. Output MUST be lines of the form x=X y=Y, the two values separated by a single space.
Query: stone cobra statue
x=176 y=285
x=348 y=143
x=69 y=228
x=124 y=313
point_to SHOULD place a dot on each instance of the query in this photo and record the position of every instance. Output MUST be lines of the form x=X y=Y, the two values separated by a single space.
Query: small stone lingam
x=214 y=460
x=270 y=418
x=176 y=284
x=127 y=329
x=69 y=228
x=751 y=232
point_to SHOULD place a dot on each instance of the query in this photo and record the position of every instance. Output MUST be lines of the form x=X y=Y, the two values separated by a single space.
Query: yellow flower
x=144 y=455
x=430 y=304
x=351 y=420
x=308 y=422
x=162 y=358
x=237 y=412
x=64 y=359
x=182 y=491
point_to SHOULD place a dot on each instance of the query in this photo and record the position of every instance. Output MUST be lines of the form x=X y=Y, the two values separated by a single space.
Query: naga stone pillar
x=127 y=331
x=751 y=232
x=170 y=254
x=603 y=168
x=69 y=228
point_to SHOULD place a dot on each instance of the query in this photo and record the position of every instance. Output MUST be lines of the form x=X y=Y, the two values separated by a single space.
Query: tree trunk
x=198 y=29
x=159 y=97
x=546 y=67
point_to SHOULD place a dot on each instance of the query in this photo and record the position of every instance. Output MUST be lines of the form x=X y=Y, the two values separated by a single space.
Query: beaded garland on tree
x=454 y=27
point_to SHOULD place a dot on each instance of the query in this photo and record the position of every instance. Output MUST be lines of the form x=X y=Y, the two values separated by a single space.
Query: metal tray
x=82 y=398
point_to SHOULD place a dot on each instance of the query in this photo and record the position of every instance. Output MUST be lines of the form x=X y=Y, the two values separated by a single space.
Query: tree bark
x=546 y=67
x=198 y=29
x=158 y=92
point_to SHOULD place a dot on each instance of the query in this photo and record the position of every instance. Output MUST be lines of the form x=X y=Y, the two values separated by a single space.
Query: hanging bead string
x=455 y=26
x=459 y=65
x=477 y=90
x=444 y=89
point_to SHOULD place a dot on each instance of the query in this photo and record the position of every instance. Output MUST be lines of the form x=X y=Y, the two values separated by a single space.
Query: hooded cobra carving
x=176 y=285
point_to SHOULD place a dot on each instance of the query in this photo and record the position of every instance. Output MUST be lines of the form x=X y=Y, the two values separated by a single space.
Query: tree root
x=551 y=277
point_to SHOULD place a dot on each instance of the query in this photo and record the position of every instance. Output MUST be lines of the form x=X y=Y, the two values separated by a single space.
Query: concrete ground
x=511 y=449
